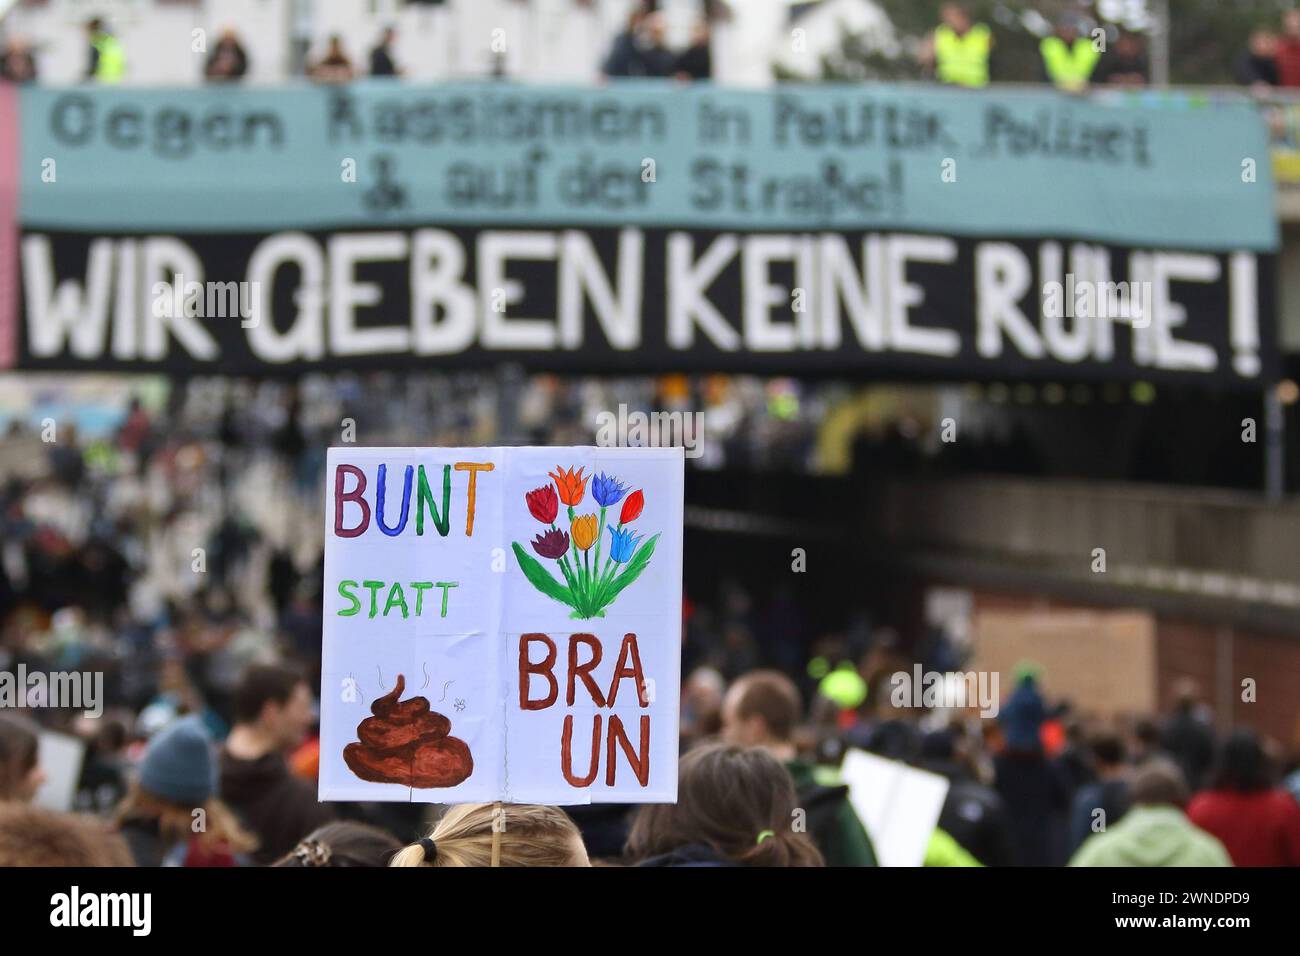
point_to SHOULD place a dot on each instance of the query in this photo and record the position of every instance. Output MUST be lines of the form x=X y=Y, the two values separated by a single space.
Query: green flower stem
x=568 y=577
x=603 y=585
x=563 y=561
x=607 y=581
x=583 y=583
x=607 y=572
x=609 y=558
x=579 y=593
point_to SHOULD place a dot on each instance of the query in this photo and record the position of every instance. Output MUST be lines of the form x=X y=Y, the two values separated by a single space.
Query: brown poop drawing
x=407 y=743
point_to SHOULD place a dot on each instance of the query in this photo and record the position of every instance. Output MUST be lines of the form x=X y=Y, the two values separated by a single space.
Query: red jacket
x=1288 y=62
x=1257 y=829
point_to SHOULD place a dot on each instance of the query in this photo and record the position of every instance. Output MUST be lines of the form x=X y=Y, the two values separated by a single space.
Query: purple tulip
x=551 y=544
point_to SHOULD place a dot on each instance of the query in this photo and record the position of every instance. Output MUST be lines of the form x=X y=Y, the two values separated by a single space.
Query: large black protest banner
x=827 y=231
x=637 y=299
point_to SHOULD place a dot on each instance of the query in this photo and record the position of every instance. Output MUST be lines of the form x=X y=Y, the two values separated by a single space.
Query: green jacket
x=1152 y=836
x=830 y=818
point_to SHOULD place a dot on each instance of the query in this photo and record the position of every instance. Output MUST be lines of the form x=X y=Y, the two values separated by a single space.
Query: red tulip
x=543 y=504
x=632 y=507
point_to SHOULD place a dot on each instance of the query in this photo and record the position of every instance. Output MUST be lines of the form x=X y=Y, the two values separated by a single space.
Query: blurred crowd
x=640 y=50
x=1079 y=49
x=180 y=556
x=1079 y=52
x=1272 y=58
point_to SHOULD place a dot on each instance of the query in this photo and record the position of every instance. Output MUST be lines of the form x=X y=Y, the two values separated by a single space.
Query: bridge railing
x=1230 y=545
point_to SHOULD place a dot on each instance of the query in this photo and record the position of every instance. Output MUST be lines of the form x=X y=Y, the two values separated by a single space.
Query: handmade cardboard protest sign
x=502 y=624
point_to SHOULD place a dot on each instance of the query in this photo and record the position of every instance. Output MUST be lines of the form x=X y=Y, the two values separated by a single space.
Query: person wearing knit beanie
x=179 y=764
x=177 y=788
x=1023 y=714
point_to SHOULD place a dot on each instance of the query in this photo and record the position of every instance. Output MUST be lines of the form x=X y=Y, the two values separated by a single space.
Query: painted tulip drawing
x=585 y=583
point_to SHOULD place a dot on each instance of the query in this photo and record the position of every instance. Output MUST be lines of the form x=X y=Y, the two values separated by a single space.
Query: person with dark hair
x=1105 y=800
x=345 y=845
x=17 y=65
x=1188 y=736
x=106 y=769
x=1144 y=741
x=335 y=66
x=623 y=59
x=762 y=709
x=973 y=814
x=656 y=58
x=696 y=62
x=735 y=807
x=1256 y=67
x=381 y=57
x=640 y=50
x=604 y=827
x=272 y=713
x=1258 y=821
x=20 y=772
x=1126 y=63
x=1156 y=831
x=228 y=61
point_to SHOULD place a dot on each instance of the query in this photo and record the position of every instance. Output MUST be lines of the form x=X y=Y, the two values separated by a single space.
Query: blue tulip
x=607 y=490
x=623 y=544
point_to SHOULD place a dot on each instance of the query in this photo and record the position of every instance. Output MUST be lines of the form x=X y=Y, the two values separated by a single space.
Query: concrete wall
x=1217 y=657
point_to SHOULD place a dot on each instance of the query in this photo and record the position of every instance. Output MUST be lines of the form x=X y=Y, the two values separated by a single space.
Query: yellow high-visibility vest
x=1069 y=67
x=963 y=60
x=111 y=65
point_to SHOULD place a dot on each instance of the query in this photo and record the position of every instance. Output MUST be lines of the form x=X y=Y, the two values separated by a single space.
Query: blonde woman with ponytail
x=498 y=834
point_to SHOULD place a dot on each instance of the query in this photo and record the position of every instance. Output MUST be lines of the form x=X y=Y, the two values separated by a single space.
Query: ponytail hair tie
x=763 y=835
x=311 y=852
x=430 y=849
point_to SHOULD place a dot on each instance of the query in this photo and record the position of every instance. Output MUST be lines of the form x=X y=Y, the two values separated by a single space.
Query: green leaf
x=630 y=572
x=540 y=579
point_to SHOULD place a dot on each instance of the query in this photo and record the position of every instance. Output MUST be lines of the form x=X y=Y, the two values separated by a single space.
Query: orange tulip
x=571 y=484
x=583 y=530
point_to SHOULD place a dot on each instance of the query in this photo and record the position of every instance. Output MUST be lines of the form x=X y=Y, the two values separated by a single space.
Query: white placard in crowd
x=60 y=757
x=502 y=624
x=899 y=805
